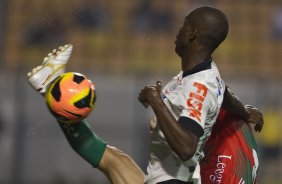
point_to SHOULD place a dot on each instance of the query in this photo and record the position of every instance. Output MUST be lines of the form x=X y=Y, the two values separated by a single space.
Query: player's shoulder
x=206 y=78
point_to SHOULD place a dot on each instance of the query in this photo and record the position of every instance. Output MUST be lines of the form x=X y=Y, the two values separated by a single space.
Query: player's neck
x=189 y=61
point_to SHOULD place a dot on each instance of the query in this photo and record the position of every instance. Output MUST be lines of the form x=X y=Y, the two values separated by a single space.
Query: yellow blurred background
x=123 y=45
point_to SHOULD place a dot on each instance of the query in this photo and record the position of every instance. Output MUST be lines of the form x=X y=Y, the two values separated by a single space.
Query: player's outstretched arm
x=249 y=113
x=232 y=103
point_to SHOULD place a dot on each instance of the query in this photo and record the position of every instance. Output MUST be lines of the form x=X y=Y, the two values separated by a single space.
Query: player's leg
x=52 y=66
x=115 y=164
x=119 y=167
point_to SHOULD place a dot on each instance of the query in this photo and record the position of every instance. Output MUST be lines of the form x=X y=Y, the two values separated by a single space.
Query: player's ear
x=192 y=33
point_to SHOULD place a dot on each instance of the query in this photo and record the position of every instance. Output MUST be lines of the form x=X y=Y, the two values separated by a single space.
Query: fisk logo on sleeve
x=196 y=99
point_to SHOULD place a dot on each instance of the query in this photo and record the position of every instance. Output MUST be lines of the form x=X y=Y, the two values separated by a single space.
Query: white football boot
x=53 y=65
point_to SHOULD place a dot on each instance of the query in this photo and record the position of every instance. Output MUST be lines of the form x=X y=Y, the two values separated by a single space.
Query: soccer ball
x=71 y=97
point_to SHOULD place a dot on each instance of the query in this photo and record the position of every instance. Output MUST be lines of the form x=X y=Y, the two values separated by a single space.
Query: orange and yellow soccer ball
x=71 y=97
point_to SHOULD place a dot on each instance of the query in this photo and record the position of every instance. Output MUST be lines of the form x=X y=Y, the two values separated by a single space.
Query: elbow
x=187 y=153
x=188 y=148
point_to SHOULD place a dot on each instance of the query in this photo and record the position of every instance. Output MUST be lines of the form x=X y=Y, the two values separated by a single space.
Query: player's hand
x=149 y=93
x=255 y=117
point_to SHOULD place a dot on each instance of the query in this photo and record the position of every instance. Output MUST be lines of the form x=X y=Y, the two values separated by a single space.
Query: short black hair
x=210 y=23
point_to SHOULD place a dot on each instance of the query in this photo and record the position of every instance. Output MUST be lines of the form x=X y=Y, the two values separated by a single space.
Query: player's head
x=206 y=26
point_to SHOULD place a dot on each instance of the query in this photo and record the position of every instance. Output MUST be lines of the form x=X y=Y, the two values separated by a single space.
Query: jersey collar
x=199 y=67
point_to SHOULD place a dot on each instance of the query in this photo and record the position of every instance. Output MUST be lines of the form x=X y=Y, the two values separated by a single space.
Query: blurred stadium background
x=122 y=46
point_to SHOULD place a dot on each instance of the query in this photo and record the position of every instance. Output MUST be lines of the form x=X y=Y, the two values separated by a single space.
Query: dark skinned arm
x=249 y=113
x=182 y=141
x=232 y=104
